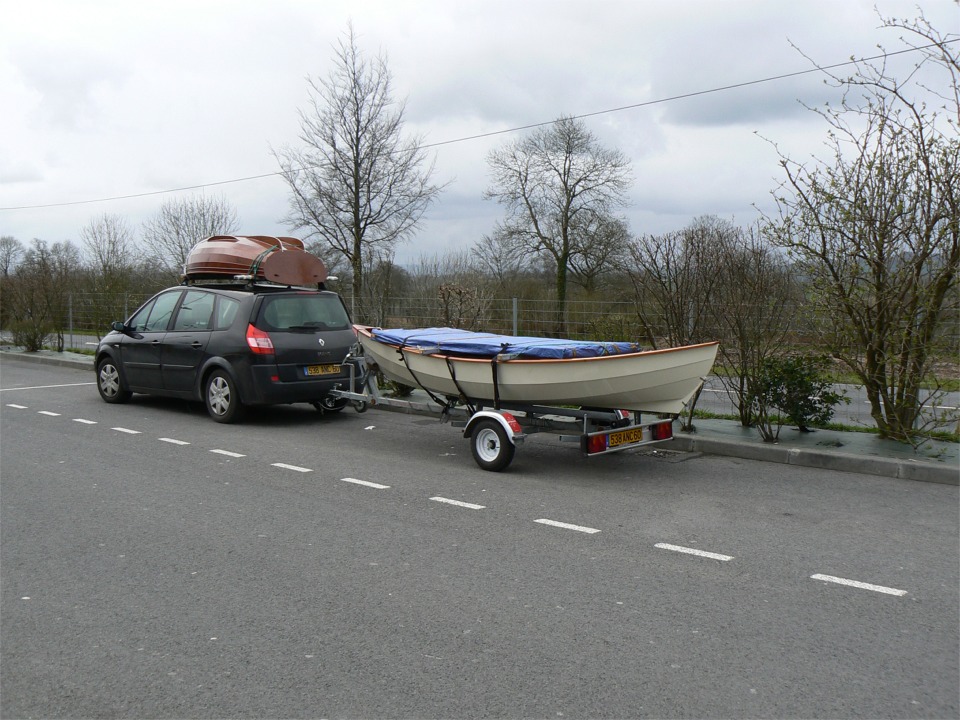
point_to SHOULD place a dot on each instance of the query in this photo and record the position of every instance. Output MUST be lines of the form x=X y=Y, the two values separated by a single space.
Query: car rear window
x=306 y=311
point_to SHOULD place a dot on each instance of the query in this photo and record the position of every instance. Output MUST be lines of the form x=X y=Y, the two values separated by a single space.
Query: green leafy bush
x=797 y=387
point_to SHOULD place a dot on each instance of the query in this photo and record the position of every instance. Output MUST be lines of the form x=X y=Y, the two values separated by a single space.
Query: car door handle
x=155 y=342
x=196 y=344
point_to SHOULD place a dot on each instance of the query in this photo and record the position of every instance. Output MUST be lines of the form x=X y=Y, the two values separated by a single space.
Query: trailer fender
x=509 y=423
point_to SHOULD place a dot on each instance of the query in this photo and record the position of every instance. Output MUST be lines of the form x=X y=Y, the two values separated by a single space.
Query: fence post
x=515 y=315
x=70 y=316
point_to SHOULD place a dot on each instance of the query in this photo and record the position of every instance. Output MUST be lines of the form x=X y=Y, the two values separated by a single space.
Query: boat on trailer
x=501 y=389
x=500 y=368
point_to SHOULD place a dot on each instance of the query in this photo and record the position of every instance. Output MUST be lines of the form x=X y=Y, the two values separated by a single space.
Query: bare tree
x=501 y=258
x=675 y=278
x=752 y=309
x=11 y=251
x=358 y=186
x=182 y=223
x=110 y=255
x=604 y=246
x=877 y=227
x=558 y=185
x=36 y=294
x=109 y=250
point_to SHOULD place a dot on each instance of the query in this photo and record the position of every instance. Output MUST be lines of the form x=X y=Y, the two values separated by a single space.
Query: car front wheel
x=221 y=397
x=109 y=382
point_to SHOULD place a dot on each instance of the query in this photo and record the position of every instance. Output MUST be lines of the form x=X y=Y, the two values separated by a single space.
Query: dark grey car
x=231 y=348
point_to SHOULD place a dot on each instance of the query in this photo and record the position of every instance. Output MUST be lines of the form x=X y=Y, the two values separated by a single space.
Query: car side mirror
x=118 y=326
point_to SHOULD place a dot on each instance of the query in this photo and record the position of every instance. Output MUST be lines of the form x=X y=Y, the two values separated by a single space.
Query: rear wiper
x=308 y=326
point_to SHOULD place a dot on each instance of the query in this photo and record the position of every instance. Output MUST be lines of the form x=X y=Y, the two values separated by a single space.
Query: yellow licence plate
x=322 y=370
x=624 y=437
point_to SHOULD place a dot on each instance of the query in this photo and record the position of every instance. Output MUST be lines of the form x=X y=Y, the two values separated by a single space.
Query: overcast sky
x=105 y=99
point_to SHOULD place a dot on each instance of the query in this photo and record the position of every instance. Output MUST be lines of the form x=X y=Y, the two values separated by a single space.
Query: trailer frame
x=496 y=429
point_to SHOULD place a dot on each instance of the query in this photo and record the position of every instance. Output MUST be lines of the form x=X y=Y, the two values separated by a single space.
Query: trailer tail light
x=596 y=444
x=662 y=431
x=259 y=342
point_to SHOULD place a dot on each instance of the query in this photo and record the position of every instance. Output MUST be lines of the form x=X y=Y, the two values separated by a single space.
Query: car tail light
x=259 y=342
x=662 y=431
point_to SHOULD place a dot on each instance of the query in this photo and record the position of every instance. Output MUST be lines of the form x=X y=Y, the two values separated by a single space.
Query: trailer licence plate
x=313 y=370
x=625 y=437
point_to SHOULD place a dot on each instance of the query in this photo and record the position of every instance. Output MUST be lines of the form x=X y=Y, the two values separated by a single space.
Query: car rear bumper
x=268 y=389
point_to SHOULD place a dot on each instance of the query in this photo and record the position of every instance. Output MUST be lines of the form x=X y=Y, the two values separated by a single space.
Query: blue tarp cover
x=474 y=344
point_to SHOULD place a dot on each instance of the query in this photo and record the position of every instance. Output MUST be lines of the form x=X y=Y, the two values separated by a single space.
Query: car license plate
x=625 y=437
x=312 y=370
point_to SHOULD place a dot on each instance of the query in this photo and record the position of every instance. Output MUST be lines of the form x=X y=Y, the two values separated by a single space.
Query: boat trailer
x=495 y=431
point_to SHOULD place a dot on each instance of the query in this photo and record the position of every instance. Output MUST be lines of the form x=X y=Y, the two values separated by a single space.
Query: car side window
x=226 y=311
x=155 y=315
x=196 y=311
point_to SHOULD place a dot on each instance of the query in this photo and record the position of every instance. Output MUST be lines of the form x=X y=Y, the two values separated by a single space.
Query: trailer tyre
x=491 y=447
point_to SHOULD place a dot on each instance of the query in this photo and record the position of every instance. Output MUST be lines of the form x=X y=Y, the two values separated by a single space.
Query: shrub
x=796 y=386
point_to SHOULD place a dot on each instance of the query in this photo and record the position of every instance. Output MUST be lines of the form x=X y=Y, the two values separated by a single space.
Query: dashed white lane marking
x=861 y=585
x=297 y=468
x=365 y=483
x=694 y=551
x=173 y=441
x=85 y=422
x=567 y=526
x=228 y=453
x=458 y=503
x=128 y=431
x=44 y=387
x=18 y=407
x=47 y=412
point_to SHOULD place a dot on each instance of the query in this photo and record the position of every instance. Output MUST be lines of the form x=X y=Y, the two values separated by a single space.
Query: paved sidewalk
x=935 y=461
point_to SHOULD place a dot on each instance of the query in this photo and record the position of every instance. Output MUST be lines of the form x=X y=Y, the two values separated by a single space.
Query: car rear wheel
x=109 y=382
x=221 y=397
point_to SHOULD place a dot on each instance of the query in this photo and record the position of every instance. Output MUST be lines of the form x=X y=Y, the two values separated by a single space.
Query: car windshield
x=307 y=312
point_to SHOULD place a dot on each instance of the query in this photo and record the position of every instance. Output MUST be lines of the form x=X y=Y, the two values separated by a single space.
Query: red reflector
x=512 y=422
x=596 y=443
x=662 y=431
x=259 y=342
x=274 y=378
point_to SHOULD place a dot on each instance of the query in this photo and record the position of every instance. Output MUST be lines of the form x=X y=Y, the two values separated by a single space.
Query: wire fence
x=91 y=313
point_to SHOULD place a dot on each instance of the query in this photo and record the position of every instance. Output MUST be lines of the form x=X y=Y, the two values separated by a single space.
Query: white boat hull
x=653 y=381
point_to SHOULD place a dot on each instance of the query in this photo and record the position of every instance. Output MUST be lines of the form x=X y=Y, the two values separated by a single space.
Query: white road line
x=18 y=407
x=173 y=441
x=861 y=585
x=365 y=483
x=694 y=551
x=448 y=501
x=85 y=422
x=126 y=430
x=567 y=526
x=228 y=453
x=47 y=412
x=44 y=387
x=292 y=467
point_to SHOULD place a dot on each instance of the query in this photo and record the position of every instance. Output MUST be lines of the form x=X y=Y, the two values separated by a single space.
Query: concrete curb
x=919 y=470
x=902 y=469
x=50 y=358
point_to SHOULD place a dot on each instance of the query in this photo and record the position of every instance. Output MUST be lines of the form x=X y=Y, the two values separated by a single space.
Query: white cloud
x=105 y=99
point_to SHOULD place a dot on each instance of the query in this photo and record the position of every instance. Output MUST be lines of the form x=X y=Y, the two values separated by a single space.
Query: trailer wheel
x=491 y=447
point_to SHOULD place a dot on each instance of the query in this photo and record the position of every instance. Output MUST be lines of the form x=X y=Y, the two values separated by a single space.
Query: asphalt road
x=156 y=564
